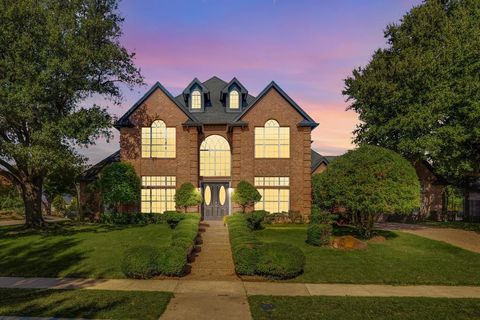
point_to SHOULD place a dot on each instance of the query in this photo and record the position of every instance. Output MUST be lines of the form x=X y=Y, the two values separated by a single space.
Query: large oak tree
x=420 y=95
x=53 y=55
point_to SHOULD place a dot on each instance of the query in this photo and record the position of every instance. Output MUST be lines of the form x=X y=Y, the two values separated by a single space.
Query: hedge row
x=147 y=261
x=252 y=257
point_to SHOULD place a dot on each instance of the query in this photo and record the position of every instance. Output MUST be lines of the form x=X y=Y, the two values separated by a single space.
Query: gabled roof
x=124 y=120
x=317 y=160
x=92 y=172
x=235 y=81
x=308 y=121
x=198 y=83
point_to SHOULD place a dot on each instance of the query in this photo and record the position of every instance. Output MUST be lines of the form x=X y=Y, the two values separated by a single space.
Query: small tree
x=187 y=196
x=245 y=195
x=367 y=182
x=120 y=185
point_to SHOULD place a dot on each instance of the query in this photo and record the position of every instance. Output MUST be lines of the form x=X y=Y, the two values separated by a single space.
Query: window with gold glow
x=275 y=194
x=196 y=99
x=215 y=157
x=158 y=141
x=272 y=141
x=158 y=194
x=233 y=100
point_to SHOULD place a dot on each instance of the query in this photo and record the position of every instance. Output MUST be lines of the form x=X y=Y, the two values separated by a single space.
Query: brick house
x=215 y=134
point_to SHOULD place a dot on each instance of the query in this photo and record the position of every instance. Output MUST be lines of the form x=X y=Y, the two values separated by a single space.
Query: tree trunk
x=32 y=198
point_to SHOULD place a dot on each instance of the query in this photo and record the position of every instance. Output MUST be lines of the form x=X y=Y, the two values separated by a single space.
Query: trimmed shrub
x=246 y=259
x=245 y=195
x=173 y=218
x=319 y=234
x=279 y=260
x=255 y=219
x=187 y=196
x=140 y=262
x=172 y=261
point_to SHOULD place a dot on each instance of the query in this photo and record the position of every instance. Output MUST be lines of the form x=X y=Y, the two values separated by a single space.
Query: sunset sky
x=307 y=47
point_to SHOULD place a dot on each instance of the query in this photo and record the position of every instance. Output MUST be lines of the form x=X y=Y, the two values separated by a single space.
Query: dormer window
x=234 y=100
x=196 y=100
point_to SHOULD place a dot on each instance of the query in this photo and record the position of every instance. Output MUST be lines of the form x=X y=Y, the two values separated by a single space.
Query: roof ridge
x=215 y=77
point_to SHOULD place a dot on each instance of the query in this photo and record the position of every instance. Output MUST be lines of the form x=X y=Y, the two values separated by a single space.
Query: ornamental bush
x=171 y=261
x=255 y=218
x=279 y=260
x=173 y=218
x=140 y=262
x=319 y=234
x=120 y=185
x=187 y=196
x=245 y=195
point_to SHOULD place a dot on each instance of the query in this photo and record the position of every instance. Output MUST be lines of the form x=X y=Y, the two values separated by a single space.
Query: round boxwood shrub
x=140 y=262
x=254 y=219
x=319 y=234
x=171 y=261
x=246 y=259
x=279 y=260
x=173 y=218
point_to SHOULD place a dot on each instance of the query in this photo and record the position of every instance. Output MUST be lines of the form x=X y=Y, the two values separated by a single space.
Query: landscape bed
x=402 y=259
x=86 y=304
x=361 y=308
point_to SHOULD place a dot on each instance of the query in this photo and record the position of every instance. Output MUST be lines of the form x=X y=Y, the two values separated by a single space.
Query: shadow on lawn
x=352 y=231
x=57 y=303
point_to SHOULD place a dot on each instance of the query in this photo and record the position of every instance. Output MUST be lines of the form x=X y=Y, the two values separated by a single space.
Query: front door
x=215 y=200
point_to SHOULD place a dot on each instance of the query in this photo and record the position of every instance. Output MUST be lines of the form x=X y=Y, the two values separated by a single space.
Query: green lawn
x=361 y=308
x=89 y=251
x=88 y=304
x=402 y=259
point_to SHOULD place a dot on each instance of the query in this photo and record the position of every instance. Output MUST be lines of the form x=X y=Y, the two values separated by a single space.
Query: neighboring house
x=472 y=203
x=214 y=135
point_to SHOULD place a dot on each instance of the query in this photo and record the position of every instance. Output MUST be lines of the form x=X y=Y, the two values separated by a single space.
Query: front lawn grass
x=68 y=250
x=361 y=308
x=402 y=259
x=87 y=304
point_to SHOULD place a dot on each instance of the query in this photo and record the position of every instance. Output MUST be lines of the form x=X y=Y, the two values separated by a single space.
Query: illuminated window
x=215 y=157
x=272 y=141
x=158 y=200
x=196 y=99
x=158 y=141
x=234 y=100
x=275 y=194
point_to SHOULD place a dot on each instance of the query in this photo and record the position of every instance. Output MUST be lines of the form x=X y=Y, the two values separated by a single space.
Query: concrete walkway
x=212 y=289
x=468 y=240
x=244 y=288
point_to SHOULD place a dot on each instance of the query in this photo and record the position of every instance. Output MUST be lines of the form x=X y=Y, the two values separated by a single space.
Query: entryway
x=216 y=200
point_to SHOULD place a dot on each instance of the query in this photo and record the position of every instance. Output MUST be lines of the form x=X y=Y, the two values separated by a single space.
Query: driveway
x=468 y=240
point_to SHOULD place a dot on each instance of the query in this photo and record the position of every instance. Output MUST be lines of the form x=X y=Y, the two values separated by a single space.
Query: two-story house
x=215 y=134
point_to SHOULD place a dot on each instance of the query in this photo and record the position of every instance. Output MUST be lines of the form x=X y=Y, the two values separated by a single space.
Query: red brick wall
x=297 y=167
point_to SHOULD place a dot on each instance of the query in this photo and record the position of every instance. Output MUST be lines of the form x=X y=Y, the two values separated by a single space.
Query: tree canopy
x=420 y=96
x=245 y=195
x=120 y=185
x=366 y=182
x=53 y=56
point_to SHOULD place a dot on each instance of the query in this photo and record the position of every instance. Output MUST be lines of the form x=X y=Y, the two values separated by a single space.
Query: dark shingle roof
x=317 y=159
x=215 y=111
x=92 y=172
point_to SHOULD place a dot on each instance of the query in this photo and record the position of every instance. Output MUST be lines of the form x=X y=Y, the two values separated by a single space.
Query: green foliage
x=141 y=262
x=186 y=232
x=273 y=260
x=59 y=204
x=279 y=260
x=173 y=218
x=55 y=54
x=120 y=185
x=172 y=261
x=366 y=182
x=419 y=95
x=319 y=234
x=9 y=196
x=321 y=216
x=187 y=196
x=255 y=218
x=245 y=195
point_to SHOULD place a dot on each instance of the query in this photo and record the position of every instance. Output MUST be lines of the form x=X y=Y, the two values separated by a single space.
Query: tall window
x=272 y=141
x=158 y=194
x=196 y=99
x=233 y=100
x=158 y=141
x=215 y=157
x=275 y=194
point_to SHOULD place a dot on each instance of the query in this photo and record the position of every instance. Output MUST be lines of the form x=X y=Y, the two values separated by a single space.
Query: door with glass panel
x=215 y=200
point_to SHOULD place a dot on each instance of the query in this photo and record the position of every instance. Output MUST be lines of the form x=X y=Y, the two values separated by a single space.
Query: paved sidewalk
x=242 y=288
x=468 y=240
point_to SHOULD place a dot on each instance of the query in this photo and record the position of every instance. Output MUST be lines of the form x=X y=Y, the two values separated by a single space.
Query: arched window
x=233 y=100
x=215 y=157
x=158 y=141
x=196 y=99
x=272 y=141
